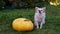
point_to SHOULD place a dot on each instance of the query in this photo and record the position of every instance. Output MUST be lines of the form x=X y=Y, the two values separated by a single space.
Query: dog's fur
x=39 y=17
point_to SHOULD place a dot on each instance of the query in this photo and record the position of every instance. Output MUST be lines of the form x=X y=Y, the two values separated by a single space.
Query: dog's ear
x=36 y=9
x=44 y=8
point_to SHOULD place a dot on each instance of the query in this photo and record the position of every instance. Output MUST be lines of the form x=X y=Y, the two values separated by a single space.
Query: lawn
x=52 y=25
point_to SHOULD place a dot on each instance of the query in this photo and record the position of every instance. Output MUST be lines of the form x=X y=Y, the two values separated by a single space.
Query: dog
x=39 y=17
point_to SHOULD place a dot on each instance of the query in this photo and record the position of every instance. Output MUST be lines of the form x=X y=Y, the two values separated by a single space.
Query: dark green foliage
x=23 y=3
x=2 y=3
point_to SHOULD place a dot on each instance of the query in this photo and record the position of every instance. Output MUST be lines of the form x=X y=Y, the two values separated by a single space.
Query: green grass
x=52 y=25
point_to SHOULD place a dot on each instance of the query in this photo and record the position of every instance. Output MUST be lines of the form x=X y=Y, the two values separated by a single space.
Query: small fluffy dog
x=39 y=17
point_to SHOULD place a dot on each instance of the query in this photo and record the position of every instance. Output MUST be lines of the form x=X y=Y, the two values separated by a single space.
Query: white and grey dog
x=39 y=17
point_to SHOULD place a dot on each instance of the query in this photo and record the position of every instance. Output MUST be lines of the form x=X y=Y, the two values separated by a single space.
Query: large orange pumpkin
x=22 y=24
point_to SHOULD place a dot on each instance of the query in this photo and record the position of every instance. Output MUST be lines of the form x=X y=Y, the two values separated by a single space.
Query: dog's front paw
x=37 y=27
x=40 y=27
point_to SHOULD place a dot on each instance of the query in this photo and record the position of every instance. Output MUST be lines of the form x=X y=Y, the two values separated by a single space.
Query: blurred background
x=22 y=3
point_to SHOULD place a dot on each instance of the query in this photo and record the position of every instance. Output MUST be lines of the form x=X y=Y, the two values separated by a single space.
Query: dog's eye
x=39 y=11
